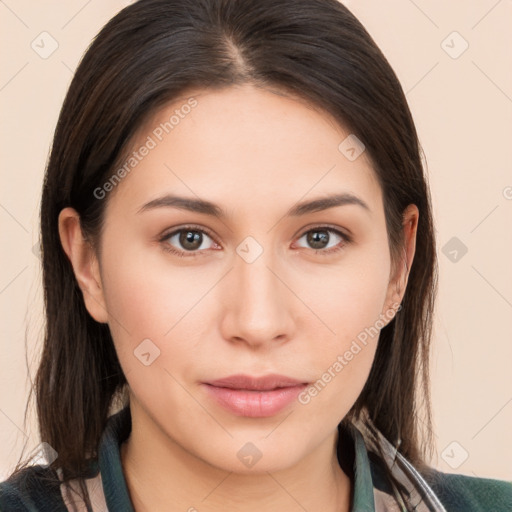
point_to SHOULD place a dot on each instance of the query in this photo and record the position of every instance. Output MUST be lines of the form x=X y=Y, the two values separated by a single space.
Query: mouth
x=254 y=397
x=251 y=383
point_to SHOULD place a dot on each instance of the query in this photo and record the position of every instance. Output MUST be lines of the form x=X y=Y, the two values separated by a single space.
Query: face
x=265 y=286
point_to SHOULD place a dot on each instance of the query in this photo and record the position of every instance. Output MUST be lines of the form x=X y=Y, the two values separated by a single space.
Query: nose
x=258 y=308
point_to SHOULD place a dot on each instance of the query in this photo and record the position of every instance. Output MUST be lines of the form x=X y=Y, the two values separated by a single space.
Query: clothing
x=372 y=492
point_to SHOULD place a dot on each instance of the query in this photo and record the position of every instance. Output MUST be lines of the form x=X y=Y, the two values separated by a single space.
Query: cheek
x=150 y=299
x=343 y=361
x=148 y=316
x=346 y=299
x=349 y=302
x=148 y=294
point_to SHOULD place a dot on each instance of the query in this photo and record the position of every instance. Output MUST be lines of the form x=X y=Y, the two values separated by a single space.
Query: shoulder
x=462 y=493
x=34 y=488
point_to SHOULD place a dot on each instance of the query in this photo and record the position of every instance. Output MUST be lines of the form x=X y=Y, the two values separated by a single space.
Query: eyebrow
x=209 y=208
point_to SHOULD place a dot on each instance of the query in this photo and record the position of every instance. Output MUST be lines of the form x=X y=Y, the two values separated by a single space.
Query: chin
x=251 y=458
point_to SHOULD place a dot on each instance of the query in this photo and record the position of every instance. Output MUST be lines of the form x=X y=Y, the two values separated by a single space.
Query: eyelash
x=192 y=254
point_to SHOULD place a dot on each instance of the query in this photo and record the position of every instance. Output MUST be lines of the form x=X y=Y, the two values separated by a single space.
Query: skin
x=293 y=311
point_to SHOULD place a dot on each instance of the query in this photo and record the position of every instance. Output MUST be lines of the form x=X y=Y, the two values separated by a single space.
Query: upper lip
x=265 y=383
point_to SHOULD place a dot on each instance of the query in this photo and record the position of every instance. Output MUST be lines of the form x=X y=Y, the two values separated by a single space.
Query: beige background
x=462 y=105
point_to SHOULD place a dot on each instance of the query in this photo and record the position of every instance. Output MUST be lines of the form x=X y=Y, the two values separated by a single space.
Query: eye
x=190 y=240
x=319 y=238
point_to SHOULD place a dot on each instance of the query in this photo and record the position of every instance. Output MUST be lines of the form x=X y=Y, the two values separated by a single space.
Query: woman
x=239 y=273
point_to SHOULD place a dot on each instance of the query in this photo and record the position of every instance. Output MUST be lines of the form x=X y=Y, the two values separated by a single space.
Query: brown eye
x=187 y=241
x=319 y=239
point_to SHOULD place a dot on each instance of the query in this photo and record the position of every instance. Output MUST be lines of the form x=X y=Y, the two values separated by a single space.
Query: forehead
x=241 y=145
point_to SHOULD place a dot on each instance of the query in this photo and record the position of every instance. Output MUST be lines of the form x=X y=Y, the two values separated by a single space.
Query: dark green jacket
x=456 y=493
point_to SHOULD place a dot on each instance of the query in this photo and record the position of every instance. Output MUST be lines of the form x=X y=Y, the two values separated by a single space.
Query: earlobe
x=85 y=264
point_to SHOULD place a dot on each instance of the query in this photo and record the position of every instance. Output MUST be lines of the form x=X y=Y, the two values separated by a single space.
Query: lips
x=250 y=383
x=255 y=397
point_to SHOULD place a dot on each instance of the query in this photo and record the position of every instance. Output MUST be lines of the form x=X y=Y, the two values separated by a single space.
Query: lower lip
x=254 y=404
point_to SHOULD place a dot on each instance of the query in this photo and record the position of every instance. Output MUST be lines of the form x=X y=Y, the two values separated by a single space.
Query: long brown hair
x=148 y=54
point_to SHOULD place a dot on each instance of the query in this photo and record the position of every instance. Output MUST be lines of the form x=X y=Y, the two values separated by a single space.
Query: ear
x=398 y=281
x=85 y=263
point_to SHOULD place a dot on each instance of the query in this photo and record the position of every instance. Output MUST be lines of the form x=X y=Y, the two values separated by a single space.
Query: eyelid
x=192 y=227
x=328 y=227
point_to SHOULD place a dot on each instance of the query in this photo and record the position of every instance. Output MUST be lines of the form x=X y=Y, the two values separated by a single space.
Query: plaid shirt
x=372 y=492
